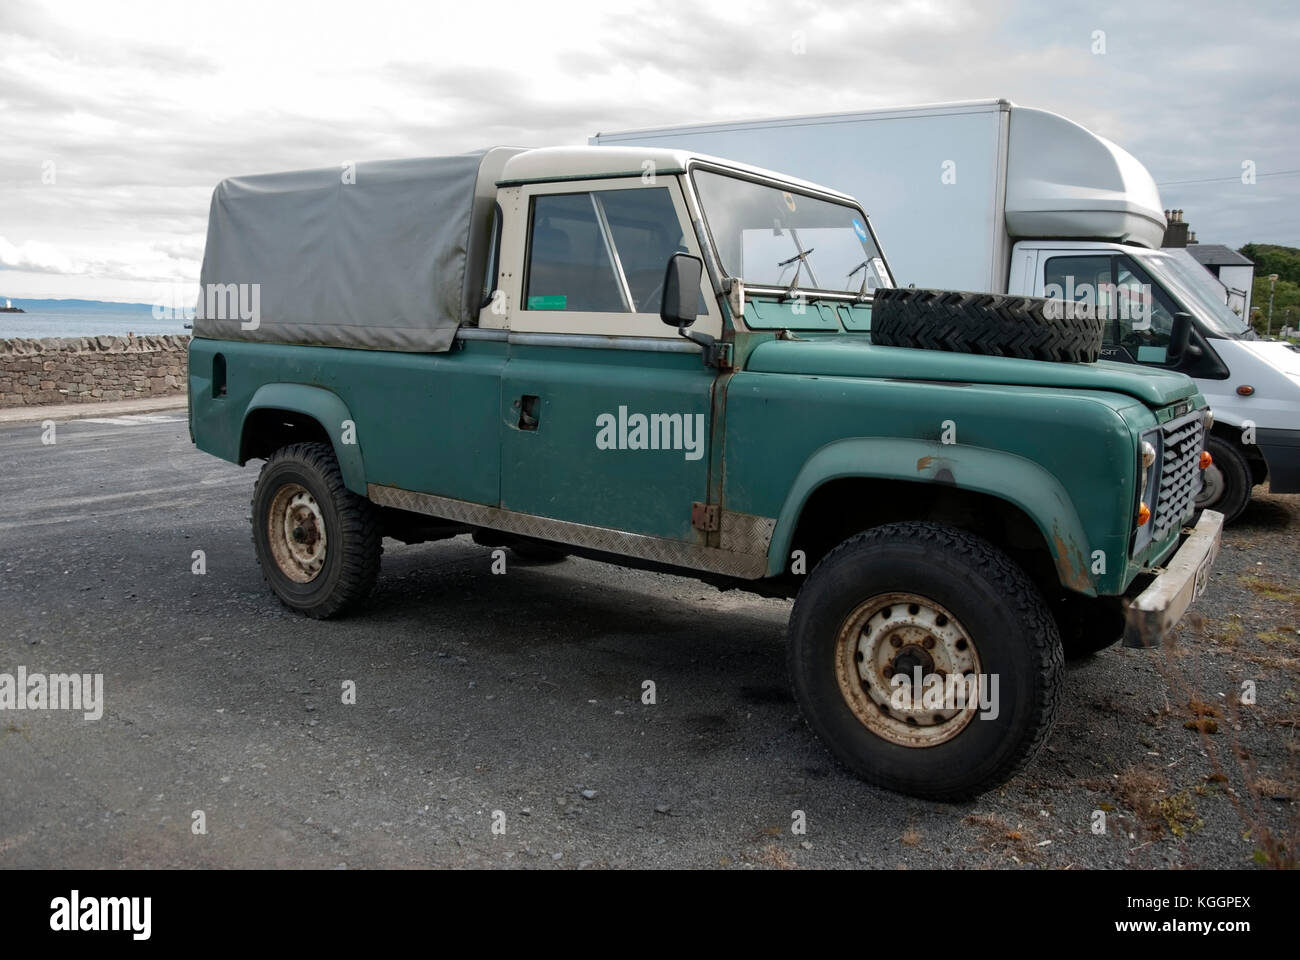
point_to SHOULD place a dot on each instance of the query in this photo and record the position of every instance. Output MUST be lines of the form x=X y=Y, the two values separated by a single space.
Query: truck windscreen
x=1191 y=283
x=780 y=238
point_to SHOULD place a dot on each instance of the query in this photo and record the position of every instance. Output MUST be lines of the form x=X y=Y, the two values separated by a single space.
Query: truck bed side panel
x=424 y=422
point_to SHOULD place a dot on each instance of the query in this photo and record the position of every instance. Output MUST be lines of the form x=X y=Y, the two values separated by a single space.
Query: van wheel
x=914 y=599
x=1226 y=483
x=317 y=542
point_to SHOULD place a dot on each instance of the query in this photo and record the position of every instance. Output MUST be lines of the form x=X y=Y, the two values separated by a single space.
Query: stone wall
x=90 y=369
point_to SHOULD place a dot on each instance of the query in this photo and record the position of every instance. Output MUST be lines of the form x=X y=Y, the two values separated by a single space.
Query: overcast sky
x=116 y=119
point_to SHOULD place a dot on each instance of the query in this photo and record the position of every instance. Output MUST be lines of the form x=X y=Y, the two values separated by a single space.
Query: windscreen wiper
x=802 y=261
x=862 y=290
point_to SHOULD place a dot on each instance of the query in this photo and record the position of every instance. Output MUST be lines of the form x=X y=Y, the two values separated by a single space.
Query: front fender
x=1020 y=482
x=327 y=409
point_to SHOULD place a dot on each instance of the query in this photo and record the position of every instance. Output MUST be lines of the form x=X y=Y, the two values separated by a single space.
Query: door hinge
x=704 y=516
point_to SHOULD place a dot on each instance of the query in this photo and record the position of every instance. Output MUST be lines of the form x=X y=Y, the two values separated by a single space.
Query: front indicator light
x=1206 y=459
x=1144 y=514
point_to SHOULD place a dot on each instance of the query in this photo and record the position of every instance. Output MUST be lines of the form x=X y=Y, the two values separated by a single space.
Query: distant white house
x=1233 y=271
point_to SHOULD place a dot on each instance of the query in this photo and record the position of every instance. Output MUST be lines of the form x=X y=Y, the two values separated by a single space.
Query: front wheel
x=318 y=543
x=926 y=660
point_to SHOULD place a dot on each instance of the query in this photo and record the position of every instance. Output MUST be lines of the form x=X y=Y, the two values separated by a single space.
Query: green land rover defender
x=675 y=362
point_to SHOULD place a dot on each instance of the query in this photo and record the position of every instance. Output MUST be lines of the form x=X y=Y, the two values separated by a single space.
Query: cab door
x=1137 y=314
x=605 y=411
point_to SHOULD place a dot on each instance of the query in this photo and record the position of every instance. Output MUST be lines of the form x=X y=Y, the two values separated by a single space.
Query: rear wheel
x=909 y=602
x=1226 y=484
x=317 y=542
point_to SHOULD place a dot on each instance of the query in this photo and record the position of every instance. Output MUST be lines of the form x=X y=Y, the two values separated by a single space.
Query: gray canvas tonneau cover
x=389 y=255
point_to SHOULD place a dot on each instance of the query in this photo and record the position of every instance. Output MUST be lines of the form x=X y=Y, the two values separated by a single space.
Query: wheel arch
x=1016 y=492
x=282 y=413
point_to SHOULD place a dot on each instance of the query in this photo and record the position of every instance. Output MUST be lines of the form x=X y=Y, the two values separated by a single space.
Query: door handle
x=528 y=408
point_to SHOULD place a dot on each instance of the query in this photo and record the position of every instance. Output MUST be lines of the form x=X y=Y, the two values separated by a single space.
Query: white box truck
x=991 y=196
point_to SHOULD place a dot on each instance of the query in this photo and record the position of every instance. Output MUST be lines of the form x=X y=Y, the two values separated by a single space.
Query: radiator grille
x=1180 y=473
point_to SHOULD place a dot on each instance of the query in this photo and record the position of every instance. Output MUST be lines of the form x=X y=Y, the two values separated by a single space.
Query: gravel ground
x=523 y=694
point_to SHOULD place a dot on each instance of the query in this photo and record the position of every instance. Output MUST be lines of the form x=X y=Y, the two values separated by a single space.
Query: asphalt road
x=522 y=694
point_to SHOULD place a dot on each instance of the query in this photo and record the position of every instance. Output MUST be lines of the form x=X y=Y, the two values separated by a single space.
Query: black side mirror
x=1180 y=333
x=681 y=290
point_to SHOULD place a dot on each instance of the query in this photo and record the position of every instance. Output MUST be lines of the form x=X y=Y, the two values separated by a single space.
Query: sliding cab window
x=602 y=251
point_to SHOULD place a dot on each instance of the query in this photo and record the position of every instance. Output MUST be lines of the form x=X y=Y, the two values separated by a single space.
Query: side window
x=1138 y=315
x=1081 y=279
x=604 y=251
x=494 y=258
x=646 y=233
x=1145 y=317
x=570 y=261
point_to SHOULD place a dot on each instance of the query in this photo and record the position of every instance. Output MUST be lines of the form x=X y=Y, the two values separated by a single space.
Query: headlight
x=1148 y=487
x=1209 y=419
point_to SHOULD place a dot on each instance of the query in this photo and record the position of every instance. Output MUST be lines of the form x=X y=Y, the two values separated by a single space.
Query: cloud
x=34 y=256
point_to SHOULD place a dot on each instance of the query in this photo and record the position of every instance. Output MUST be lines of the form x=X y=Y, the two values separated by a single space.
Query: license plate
x=1203 y=573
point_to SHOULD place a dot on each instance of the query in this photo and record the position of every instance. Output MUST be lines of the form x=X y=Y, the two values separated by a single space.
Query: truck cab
x=1253 y=385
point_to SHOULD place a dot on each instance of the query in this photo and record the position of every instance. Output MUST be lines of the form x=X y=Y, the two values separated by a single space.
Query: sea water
x=40 y=321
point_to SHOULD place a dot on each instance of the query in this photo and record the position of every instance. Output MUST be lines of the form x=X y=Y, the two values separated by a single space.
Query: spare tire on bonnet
x=1031 y=328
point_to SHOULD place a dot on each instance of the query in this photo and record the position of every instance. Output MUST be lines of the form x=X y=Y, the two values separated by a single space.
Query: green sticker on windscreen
x=548 y=303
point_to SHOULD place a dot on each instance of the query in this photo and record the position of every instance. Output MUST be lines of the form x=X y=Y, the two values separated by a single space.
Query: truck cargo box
x=950 y=187
x=386 y=255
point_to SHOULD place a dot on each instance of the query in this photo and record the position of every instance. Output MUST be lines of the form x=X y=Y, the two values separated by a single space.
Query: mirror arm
x=717 y=353
x=1181 y=346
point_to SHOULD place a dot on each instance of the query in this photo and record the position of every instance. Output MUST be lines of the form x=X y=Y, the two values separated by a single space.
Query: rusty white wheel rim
x=895 y=633
x=295 y=529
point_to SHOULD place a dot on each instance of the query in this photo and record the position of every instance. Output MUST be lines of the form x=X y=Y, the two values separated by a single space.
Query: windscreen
x=1191 y=283
x=768 y=236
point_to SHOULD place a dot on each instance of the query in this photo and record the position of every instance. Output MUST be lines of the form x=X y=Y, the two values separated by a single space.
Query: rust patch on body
x=924 y=463
x=1070 y=563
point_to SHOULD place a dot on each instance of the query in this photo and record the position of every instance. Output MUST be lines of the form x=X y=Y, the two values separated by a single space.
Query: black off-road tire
x=354 y=536
x=991 y=324
x=1235 y=480
x=1000 y=609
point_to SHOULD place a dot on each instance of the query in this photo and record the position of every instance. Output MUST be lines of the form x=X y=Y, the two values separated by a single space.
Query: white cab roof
x=588 y=162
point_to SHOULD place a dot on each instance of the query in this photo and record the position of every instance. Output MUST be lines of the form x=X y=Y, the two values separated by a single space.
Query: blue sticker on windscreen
x=860 y=230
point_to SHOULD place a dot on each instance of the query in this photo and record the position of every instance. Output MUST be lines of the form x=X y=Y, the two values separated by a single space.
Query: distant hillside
x=80 y=306
x=1272 y=258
